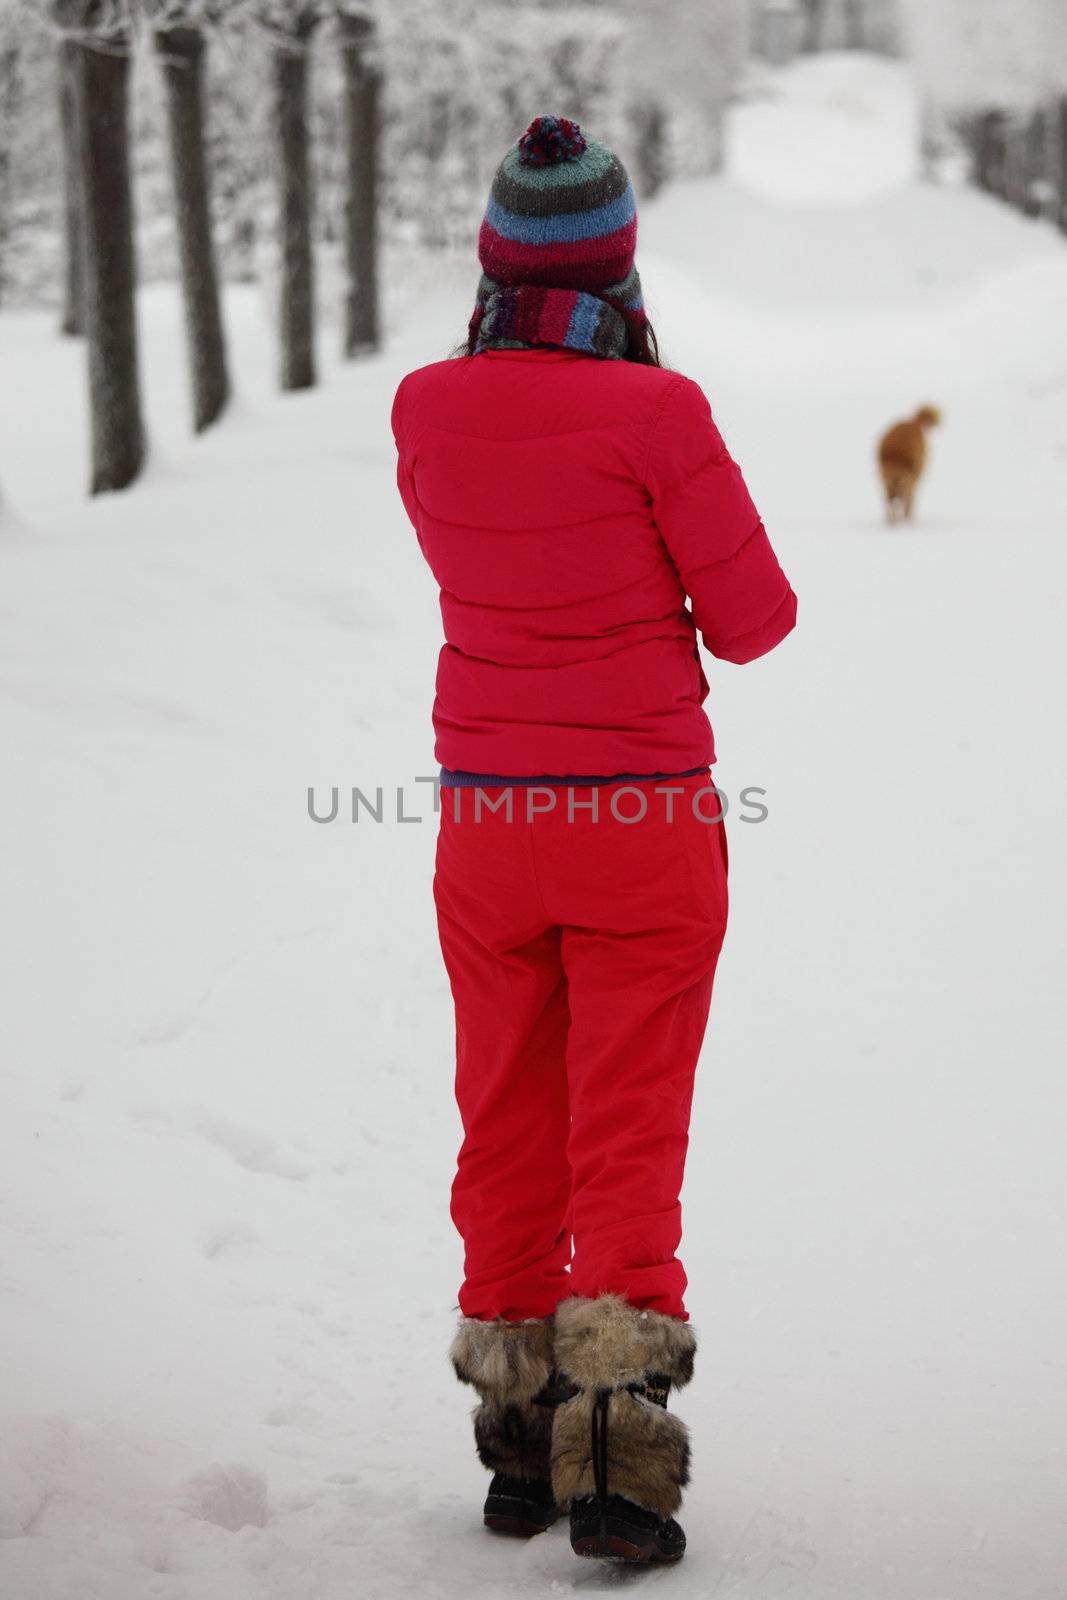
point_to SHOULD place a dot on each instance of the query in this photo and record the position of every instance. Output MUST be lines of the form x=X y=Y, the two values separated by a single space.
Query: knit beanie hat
x=561 y=217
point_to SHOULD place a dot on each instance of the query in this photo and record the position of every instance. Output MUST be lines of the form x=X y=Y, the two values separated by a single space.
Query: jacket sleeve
x=405 y=480
x=742 y=603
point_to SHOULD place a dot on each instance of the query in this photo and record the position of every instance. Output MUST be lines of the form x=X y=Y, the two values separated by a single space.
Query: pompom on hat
x=551 y=139
x=561 y=216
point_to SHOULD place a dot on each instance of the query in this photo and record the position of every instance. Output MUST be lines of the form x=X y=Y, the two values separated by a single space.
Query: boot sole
x=631 y=1551
x=626 y=1544
x=515 y=1526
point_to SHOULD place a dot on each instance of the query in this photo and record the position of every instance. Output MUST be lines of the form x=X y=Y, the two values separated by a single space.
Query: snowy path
x=227 y=1267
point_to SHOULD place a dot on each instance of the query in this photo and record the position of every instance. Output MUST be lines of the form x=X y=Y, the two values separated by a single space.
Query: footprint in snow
x=227 y=1238
x=251 y=1150
x=231 y=1497
x=771 y=1558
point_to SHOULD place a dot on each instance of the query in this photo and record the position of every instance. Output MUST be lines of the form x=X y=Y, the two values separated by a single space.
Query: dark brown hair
x=641 y=342
x=642 y=345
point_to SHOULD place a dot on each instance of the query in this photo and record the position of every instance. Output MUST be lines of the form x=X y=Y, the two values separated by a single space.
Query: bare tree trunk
x=110 y=272
x=650 y=147
x=1035 y=154
x=716 y=118
x=814 y=22
x=930 y=143
x=855 y=25
x=182 y=53
x=779 y=39
x=1015 y=154
x=1051 y=161
x=10 y=86
x=1061 y=119
x=437 y=130
x=73 y=318
x=1031 y=157
x=362 y=83
x=991 y=148
x=290 y=68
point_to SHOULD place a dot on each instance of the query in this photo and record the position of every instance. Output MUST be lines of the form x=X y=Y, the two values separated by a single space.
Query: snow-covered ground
x=226 y=1266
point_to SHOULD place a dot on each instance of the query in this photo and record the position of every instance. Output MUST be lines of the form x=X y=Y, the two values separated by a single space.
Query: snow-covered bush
x=461 y=80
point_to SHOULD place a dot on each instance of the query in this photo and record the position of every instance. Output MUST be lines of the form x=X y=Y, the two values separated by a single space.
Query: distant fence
x=1021 y=157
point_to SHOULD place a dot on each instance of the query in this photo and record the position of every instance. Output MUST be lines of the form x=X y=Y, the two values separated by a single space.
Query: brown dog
x=901 y=459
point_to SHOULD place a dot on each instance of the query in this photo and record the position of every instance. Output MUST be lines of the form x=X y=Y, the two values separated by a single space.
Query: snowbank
x=829 y=129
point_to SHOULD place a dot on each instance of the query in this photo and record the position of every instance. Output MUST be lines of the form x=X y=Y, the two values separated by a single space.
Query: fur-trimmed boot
x=510 y=1364
x=619 y=1459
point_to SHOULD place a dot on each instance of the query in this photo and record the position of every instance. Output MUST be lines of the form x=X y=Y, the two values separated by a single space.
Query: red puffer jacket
x=567 y=507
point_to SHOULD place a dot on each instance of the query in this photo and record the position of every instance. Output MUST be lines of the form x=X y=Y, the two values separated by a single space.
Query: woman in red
x=569 y=494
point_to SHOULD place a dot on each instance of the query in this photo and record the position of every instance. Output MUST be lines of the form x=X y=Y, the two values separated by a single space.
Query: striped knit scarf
x=525 y=315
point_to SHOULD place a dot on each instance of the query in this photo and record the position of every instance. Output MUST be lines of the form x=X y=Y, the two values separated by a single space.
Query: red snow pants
x=580 y=939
